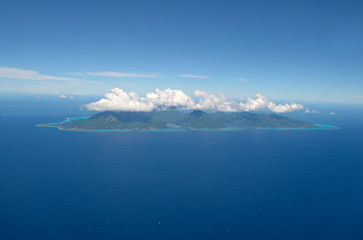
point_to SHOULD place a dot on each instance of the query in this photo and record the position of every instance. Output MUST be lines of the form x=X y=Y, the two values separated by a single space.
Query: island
x=178 y=120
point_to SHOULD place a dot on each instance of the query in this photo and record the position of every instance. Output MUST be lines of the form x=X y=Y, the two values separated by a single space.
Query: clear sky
x=287 y=50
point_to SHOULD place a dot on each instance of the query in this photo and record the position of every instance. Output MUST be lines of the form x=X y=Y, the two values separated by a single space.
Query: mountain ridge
x=172 y=119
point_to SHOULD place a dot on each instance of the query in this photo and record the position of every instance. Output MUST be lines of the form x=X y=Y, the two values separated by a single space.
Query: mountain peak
x=198 y=113
x=197 y=119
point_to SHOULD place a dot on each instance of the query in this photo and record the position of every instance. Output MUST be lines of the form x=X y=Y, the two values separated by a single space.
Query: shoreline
x=55 y=125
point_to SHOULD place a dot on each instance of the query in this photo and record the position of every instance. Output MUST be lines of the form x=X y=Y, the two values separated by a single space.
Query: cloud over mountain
x=119 y=100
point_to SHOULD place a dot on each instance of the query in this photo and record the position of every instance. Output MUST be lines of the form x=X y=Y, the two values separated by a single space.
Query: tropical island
x=173 y=119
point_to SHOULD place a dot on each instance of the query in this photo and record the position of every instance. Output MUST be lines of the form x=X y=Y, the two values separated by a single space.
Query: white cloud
x=121 y=75
x=169 y=97
x=254 y=105
x=332 y=113
x=194 y=76
x=284 y=108
x=213 y=102
x=64 y=97
x=357 y=96
x=16 y=73
x=242 y=79
x=308 y=110
x=120 y=100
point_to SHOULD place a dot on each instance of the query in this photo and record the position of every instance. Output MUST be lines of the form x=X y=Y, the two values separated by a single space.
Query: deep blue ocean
x=250 y=184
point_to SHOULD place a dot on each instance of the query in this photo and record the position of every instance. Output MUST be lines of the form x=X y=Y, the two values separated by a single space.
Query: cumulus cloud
x=119 y=100
x=121 y=75
x=194 y=76
x=16 y=73
x=169 y=97
x=284 y=108
x=213 y=102
x=259 y=103
x=308 y=110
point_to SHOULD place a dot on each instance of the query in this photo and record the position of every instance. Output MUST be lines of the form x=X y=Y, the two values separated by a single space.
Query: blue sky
x=308 y=51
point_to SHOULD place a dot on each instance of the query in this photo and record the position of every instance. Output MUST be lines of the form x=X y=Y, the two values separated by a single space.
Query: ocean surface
x=249 y=184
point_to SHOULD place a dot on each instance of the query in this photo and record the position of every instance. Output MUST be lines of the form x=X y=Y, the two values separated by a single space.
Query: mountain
x=112 y=120
x=115 y=120
x=200 y=119
x=250 y=120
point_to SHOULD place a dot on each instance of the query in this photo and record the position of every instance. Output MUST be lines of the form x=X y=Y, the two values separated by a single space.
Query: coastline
x=70 y=119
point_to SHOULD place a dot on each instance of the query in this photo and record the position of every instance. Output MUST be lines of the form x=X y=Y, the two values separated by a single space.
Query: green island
x=177 y=120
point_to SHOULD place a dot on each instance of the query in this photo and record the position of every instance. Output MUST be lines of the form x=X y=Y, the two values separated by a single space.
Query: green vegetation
x=250 y=120
x=197 y=119
x=200 y=119
x=116 y=120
